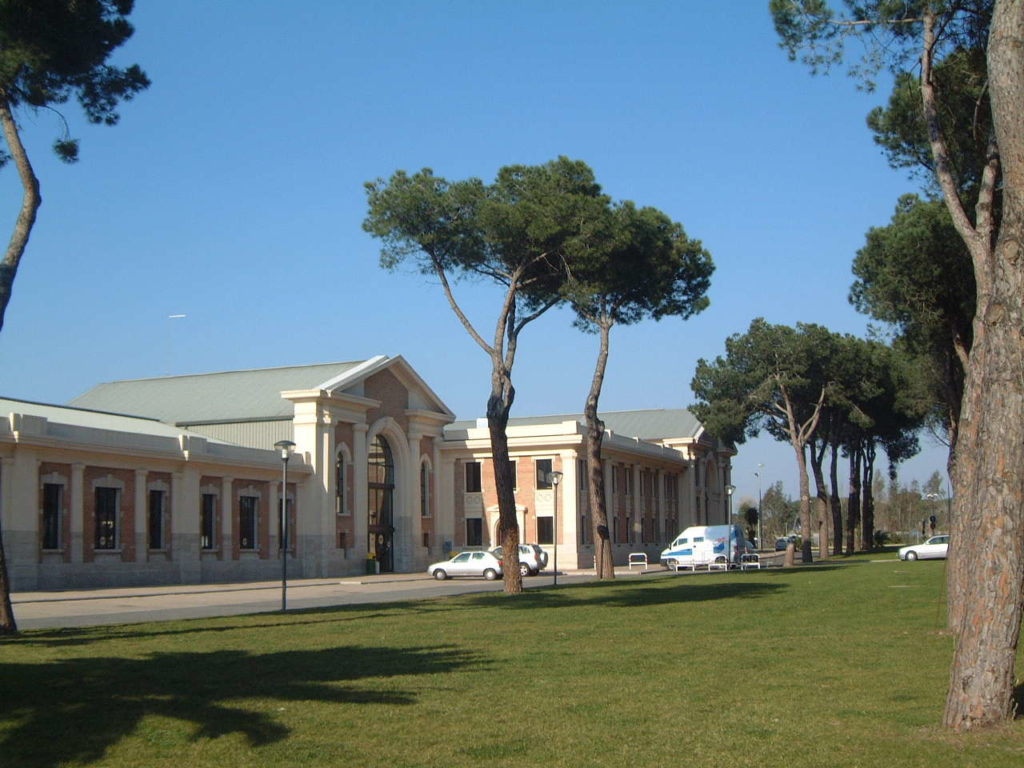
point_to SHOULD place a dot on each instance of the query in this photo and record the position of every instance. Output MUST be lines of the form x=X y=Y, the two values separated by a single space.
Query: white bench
x=638 y=558
x=750 y=561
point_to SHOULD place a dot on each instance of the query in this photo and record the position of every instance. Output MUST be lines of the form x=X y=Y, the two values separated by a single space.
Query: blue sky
x=232 y=192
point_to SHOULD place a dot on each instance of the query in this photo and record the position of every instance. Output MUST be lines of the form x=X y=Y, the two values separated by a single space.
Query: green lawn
x=839 y=664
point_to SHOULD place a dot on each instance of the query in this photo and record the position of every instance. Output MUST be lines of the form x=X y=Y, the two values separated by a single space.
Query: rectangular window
x=545 y=530
x=426 y=539
x=208 y=522
x=581 y=471
x=543 y=469
x=474 y=532
x=473 y=477
x=627 y=481
x=513 y=470
x=156 y=519
x=248 y=522
x=584 y=530
x=53 y=502
x=342 y=540
x=106 y=518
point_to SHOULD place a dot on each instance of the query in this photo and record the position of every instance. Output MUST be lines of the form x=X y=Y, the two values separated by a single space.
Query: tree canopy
x=521 y=232
x=51 y=50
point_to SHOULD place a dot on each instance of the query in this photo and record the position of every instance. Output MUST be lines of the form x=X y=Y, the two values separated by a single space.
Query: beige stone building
x=175 y=480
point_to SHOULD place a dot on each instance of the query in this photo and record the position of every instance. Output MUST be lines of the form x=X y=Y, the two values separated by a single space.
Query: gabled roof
x=226 y=396
x=651 y=425
x=233 y=396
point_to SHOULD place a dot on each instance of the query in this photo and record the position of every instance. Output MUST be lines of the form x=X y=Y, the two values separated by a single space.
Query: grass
x=840 y=664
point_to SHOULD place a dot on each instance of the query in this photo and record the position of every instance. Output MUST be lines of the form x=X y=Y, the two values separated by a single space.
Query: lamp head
x=286 y=447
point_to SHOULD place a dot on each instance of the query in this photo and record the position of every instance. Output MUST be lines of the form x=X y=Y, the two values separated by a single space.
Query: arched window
x=340 y=484
x=380 y=477
x=425 y=489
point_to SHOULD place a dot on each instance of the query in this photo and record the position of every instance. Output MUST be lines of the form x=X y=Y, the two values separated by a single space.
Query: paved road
x=79 y=608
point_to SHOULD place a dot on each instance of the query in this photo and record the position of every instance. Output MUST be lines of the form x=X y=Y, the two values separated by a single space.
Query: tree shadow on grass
x=83 y=636
x=74 y=710
x=618 y=594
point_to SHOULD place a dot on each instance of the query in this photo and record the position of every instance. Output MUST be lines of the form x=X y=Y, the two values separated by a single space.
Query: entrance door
x=381 y=513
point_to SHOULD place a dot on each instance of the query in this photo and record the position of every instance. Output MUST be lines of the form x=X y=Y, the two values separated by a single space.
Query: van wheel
x=440 y=575
x=911 y=555
x=490 y=574
x=524 y=570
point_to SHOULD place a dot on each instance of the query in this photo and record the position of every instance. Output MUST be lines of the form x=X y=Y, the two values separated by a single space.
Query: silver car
x=467 y=564
x=934 y=548
x=532 y=559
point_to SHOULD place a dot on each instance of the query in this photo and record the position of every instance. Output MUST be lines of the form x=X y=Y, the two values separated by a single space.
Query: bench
x=638 y=558
x=750 y=561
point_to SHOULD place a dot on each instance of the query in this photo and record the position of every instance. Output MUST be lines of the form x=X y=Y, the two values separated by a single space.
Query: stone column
x=410 y=546
x=141 y=515
x=360 y=497
x=227 y=507
x=76 y=508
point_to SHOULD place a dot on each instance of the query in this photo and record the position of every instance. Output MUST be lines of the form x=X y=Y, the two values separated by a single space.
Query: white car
x=467 y=564
x=933 y=549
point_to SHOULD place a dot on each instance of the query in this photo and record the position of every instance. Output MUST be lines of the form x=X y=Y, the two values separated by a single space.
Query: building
x=175 y=480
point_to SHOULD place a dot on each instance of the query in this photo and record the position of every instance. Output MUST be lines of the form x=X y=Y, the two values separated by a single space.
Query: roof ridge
x=224 y=373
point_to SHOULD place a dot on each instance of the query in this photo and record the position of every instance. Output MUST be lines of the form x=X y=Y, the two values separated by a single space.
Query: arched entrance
x=381 y=508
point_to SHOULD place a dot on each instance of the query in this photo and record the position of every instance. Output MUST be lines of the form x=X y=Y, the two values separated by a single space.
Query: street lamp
x=556 y=478
x=728 y=522
x=760 y=513
x=286 y=447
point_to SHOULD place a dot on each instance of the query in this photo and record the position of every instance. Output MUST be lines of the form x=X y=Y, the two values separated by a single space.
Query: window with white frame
x=107 y=508
x=545 y=530
x=425 y=477
x=543 y=469
x=474 y=532
x=53 y=515
x=248 y=522
x=473 y=484
x=208 y=521
x=157 y=500
x=340 y=484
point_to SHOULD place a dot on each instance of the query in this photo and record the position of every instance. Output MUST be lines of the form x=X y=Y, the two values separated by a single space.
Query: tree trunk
x=988 y=520
x=31 y=200
x=499 y=404
x=806 y=555
x=853 y=505
x=868 y=499
x=604 y=564
x=822 y=517
x=837 y=504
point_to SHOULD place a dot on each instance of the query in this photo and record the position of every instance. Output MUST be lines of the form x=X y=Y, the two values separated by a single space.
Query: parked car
x=934 y=548
x=467 y=564
x=781 y=544
x=532 y=559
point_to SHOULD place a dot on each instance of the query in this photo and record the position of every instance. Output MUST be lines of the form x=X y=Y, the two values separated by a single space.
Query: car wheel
x=911 y=555
x=524 y=570
x=440 y=575
x=490 y=574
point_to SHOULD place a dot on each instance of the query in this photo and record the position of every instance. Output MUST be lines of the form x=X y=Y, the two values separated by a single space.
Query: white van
x=705 y=545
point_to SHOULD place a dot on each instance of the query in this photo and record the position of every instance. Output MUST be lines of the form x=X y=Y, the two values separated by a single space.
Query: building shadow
x=72 y=711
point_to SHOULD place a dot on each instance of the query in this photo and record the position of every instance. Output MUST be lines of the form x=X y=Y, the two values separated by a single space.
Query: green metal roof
x=228 y=396
x=79 y=417
x=653 y=425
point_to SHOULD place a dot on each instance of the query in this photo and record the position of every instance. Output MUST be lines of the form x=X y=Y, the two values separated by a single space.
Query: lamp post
x=556 y=478
x=728 y=531
x=760 y=515
x=286 y=447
